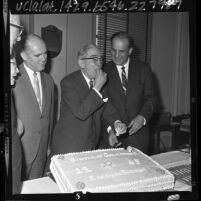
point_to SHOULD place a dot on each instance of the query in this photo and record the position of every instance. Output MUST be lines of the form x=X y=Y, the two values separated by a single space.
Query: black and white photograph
x=99 y=100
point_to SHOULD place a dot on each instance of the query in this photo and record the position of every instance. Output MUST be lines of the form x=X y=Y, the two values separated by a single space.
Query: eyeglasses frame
x=95 y=59
x=21 y=28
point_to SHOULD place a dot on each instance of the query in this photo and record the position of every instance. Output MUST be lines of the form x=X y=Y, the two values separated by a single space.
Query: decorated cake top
x=107 y=167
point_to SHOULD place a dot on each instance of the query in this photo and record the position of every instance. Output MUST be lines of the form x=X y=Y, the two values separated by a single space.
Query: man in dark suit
x=131 y=91
x=15 y=32
x=34 y=95
x=83 y=108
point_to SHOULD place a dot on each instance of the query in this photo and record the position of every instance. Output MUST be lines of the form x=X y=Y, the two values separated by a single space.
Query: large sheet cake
x=109 y=170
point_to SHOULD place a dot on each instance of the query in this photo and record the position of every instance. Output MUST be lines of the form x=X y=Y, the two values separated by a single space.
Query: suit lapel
x=84 y=88
x=27 y=83
x=117 y=80
x=132 y=79
x=130 y=75
x=44 y=91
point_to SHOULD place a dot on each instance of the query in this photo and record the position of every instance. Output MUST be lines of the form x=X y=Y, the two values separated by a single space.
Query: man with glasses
x=84 y=108
x=16 y=126
x=15 y=31
x=131 y=90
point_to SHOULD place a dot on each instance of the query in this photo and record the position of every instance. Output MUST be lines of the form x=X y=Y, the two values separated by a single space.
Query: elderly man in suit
x=131 y=90
x=15 y=35
x=84 y=107
x=34 y=95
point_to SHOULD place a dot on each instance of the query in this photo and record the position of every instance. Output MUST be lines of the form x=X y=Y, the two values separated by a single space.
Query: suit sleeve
x=82 y=108
x=150 y=98
x=110 y=115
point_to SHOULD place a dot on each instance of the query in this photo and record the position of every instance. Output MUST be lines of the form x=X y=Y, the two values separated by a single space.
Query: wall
x=79 y=33
x=170 y=60
x=170 y=63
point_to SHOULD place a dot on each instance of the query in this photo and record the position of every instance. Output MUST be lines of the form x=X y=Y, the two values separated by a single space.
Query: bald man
x=34 y=95
x=15 y=35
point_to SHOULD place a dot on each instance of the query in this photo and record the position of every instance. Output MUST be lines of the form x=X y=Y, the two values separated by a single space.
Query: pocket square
x=105 y=100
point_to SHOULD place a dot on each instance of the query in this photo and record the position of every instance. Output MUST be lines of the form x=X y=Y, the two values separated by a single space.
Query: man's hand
x=112 y=138
x=100 y=79
x=136 y=124
x=120 y=128
x=20 y=127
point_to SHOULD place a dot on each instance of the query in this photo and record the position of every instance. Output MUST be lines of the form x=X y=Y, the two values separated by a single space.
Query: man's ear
x=24 y=56
x=130 y=51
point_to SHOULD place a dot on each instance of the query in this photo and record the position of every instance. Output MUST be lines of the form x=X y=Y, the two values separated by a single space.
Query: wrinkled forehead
x=121 y=41
x=93 y=52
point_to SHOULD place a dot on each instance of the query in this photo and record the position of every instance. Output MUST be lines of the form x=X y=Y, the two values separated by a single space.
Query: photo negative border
x=94 y=6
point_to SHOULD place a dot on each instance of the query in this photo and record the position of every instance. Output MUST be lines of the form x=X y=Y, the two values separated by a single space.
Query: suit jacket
x=16 y=153
x=37 y=125
x=81 y=112
x=140 y=98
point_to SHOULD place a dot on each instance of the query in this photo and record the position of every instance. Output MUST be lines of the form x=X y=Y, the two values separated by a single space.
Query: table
x=179 y=164
x=42 y=185
x=168 y=160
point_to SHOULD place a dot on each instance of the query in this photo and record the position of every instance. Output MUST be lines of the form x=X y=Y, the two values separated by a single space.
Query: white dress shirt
x=31 y=77
x=126 y=65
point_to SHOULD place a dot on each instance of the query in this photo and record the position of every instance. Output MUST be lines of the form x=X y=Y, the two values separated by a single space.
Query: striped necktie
x=37 y=89
x=124 y=80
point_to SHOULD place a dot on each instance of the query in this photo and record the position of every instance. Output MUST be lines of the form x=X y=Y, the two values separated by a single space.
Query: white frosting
x=109 y=170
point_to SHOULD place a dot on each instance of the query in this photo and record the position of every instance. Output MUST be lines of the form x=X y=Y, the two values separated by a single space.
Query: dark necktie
x=91 y=84
x=37 y=89
x=124 y=80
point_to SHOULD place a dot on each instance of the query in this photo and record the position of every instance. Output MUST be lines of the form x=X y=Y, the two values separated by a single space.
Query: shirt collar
x=126 y=65
x=29 y=71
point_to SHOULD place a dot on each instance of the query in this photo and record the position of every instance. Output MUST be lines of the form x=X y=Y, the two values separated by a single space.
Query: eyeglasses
x=95 y=59
x=21 y=28
x=14 y=63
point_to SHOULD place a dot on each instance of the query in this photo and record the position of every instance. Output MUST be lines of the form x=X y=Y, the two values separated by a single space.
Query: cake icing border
x=129 y=186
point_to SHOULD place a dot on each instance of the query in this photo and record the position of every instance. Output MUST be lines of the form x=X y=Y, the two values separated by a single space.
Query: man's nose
x=99 y=62
x=43 y=57
x=99 y=65
x=116 y=54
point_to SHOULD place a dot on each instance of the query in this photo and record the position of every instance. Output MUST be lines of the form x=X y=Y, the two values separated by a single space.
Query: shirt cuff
x=98 y=92
x=144 y=120
x=101 y=96
x=109 y=128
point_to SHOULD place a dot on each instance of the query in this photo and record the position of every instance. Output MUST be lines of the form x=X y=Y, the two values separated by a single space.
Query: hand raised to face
x=100 y=79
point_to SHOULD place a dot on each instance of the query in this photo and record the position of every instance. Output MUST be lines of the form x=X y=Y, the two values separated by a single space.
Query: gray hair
x=84 y=50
